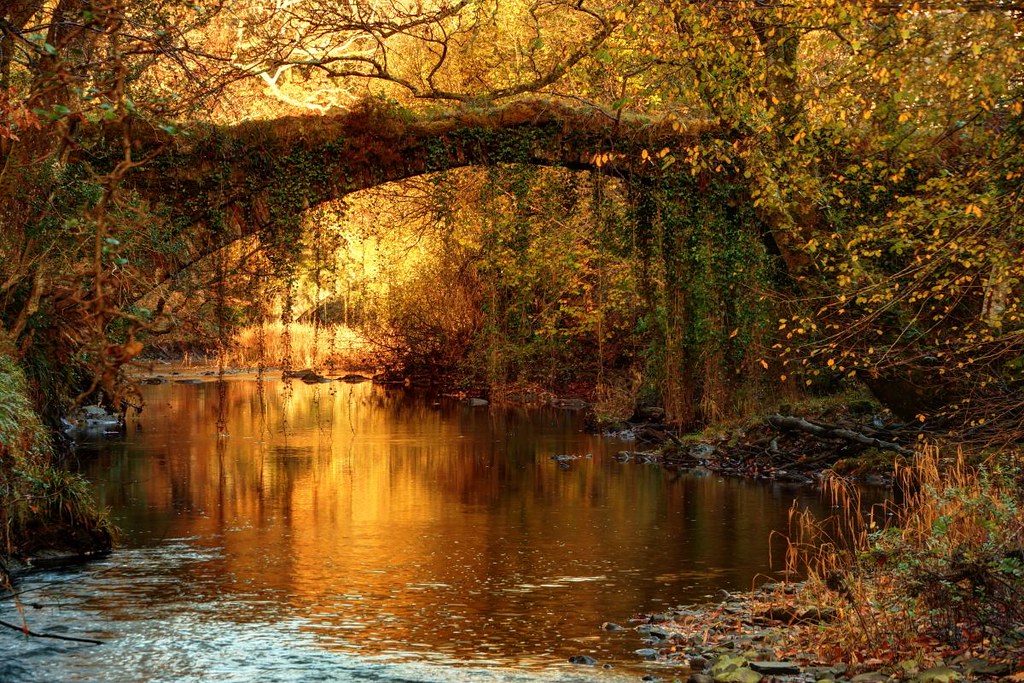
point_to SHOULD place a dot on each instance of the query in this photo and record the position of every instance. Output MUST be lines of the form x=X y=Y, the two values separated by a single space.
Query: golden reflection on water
x=415 y=527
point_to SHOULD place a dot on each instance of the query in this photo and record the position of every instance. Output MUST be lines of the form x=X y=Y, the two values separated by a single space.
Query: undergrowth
x=941 y=568
x=42 y=506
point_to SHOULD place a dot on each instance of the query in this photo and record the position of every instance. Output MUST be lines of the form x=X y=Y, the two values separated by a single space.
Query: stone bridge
x=214 y=185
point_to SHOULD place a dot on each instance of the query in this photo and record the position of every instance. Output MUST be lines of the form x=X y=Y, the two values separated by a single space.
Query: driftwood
x=784 y=422
x=29 y=632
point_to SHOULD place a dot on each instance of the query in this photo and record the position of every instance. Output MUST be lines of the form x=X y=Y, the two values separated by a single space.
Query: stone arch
x=216 y=184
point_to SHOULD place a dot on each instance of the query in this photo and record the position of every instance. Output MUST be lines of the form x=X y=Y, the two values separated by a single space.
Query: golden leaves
x=602 y=159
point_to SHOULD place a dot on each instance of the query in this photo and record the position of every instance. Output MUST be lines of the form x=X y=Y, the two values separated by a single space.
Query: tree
x=77 y=76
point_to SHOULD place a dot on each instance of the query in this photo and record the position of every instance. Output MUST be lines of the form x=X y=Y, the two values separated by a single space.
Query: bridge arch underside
x=399 y=221
x=209 y=192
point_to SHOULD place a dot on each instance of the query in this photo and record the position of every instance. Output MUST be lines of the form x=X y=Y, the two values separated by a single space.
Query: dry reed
x=942 y=568
x=299 y=345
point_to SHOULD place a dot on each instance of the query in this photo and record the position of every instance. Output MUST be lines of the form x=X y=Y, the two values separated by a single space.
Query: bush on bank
x=940 y=571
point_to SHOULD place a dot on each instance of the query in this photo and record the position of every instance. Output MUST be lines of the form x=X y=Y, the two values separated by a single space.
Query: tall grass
x=945 y=563
x=299 y=345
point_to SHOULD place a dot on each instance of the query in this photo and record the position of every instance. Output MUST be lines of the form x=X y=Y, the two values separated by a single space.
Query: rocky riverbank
x=47 y=514
x=775 y=633
x=930 y=590
x=856 y=439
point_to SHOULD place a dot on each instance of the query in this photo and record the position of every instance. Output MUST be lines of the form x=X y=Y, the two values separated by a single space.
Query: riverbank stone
x=775 y=668
x=738 y=676
x=698 y=662
x=654 y=630
x=733 y=669
x=659 y=633
x=982 y=667
x=825 y=673
x=939 y=674
x=647 y=653
x=583 y=660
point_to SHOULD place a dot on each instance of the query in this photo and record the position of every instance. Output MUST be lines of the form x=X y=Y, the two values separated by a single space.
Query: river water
x=287 y=532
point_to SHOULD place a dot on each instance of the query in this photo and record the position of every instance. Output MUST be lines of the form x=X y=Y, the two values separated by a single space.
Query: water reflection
x=361 y=524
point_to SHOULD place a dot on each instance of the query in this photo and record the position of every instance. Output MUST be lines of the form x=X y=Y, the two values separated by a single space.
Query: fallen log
x=789 y=423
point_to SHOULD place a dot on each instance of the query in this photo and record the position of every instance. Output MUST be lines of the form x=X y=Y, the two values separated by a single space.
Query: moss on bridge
x=219 y=183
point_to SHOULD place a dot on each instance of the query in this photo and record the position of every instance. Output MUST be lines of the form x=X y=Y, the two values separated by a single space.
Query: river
x=279 y=531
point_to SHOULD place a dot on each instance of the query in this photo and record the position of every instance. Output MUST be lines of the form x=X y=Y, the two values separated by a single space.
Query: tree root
x=789 y=423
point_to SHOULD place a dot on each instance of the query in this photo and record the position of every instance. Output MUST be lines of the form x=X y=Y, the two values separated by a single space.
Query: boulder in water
x=307 y=375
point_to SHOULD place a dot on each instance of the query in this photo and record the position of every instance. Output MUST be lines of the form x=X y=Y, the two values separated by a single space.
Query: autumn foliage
x=776 y=197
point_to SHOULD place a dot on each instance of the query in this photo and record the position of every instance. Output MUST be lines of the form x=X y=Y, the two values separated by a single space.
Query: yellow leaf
x=734 y=333
x=764 y=364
